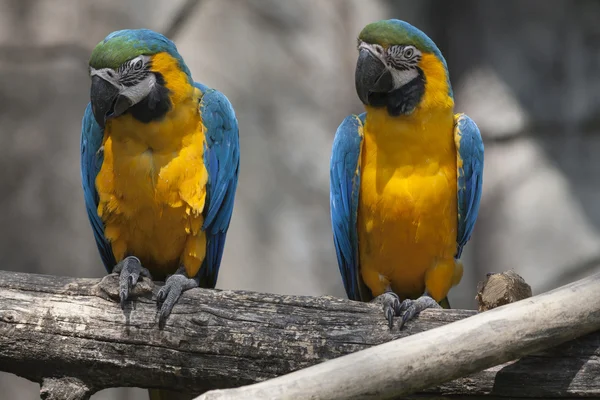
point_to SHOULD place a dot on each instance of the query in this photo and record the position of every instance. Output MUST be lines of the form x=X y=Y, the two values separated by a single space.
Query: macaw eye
x=408 y=53
x=138 y=65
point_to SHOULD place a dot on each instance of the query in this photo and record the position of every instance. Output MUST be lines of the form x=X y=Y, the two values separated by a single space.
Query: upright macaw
x=159 y=164
x=405 y=176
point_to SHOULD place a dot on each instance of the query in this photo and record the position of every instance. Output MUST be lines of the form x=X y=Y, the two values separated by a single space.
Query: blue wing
x=469 y=147
x=222 y=160
x=344 y=189
x=91 y=161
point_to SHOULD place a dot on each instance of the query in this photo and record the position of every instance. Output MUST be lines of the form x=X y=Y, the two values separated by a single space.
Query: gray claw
x=130 y=270
x=391 y=306
x=168 y=295
x=412 y=308
x=389 y=314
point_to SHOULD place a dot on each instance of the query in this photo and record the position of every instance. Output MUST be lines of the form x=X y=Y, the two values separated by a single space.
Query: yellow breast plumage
x=152 y=184
x=407 y=216
x=407 y=204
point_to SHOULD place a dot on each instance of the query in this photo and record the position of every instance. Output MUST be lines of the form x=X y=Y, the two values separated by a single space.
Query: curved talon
x=409 y=310
x=168 y=295
x=129 y=269
x=389 y=315
x=412 y=308
x=391 y=306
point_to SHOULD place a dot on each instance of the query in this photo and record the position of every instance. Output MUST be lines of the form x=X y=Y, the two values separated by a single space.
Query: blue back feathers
x=91 y=161
x=470 y=177
x=344 y=191
x=222 y=160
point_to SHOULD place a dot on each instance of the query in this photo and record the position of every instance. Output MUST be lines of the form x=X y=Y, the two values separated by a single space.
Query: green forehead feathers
x=121 y=46
x=114 y=53
x=395 y=32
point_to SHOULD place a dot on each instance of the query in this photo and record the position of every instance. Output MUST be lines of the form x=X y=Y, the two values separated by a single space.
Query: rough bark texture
x=71 y=333
x=500 y=289
x=408 y=365
x=64 y=389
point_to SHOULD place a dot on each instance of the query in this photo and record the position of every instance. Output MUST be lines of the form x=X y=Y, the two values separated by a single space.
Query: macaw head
x=397 y=63
x=126 y=79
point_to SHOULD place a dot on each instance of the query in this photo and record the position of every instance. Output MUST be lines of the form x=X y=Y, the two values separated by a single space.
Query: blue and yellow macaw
x=406 y=176
x=159 y=164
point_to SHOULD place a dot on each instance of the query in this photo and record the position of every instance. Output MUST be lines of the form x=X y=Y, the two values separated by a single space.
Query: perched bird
x=159 y=164
x=405 y=176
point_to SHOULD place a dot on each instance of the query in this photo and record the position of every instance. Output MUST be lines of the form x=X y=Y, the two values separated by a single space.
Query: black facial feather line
x=398 y=57
x=131 y=76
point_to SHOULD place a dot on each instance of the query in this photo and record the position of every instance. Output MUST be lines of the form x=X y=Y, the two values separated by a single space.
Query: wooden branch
x=417 y=362
x=71 y=336
x=64 y=389
x=500 y=289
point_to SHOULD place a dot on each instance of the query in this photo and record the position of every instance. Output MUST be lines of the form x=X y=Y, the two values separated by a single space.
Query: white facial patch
x=406 y=69
x=138 y=92
x=132 y=78
x=401 y=78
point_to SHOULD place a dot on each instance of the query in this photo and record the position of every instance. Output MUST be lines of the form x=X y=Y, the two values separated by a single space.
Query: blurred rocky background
x=527 y=72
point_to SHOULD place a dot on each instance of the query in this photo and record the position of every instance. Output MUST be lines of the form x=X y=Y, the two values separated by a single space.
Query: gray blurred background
x=527 y=72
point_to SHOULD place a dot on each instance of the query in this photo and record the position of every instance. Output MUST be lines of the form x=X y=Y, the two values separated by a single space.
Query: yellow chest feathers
x=407 y=216
x=152 y=188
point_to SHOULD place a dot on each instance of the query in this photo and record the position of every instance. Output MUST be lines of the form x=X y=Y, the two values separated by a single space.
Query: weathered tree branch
x=501 y=289
x=71 y=335
x=405 y=366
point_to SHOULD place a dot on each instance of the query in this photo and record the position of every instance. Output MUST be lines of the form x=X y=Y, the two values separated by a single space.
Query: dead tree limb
x=71 y=336
x=414 y=363
x=500 y=289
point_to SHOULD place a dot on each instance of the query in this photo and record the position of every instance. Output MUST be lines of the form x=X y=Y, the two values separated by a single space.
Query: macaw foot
x=412 y=308
x=391 y=306
x=129 y=269
x=168 y=295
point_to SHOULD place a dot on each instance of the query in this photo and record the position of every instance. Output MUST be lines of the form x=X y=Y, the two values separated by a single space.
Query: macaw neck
x=166 y=115
x=178 y=84
x=164 y=135
x=172 y=87
x=428 y=129
x=155 y=105
x=438 y=91
x=425 y=132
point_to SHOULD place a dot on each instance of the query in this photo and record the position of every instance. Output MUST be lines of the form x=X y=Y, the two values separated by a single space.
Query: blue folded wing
x=222 y=160
x=91 y=161
x=344 y=189
x=469 y=146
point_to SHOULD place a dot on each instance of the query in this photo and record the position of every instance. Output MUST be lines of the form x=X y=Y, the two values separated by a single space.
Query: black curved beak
x=371 y=76
x=106 y=101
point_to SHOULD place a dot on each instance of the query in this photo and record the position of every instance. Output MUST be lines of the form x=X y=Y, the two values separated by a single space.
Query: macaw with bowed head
x=159 y=164
x=405 y=176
